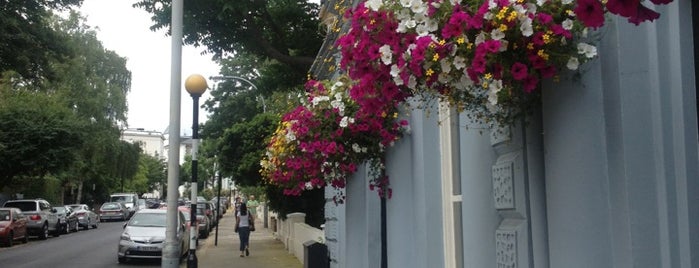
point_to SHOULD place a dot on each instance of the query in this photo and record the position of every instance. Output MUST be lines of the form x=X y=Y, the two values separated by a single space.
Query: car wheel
x=44 y=232
x=95 y=224
x=10 y=239
x=26 y=238
x=65 y=228
x=86 y=226
x=57 y=229
x=122 y=259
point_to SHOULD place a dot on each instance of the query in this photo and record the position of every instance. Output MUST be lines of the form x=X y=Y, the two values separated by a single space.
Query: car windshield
x=60 y=209
x=23 y=206
x=76 y=207
x=4 y=215
x=148 y=220
x=111 y=206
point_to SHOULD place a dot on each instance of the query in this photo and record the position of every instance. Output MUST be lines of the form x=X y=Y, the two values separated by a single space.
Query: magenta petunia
x=519 y=71
x=625 y=8
x=644 y=14
x=590 y=13
x=530 y=83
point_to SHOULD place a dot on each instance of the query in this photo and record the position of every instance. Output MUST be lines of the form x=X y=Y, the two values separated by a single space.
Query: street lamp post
x=171 y=248
x=196 y=86
x=232 y=77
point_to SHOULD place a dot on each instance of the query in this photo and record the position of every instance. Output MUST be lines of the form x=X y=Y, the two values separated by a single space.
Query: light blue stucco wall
x=621 y=150
x=606 y=175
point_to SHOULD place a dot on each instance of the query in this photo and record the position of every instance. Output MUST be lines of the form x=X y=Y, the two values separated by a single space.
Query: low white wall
x=294 y=232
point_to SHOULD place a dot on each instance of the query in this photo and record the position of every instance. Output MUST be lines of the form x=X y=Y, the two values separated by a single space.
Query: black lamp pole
x=196 y=86
x=192 y=261
x=218 y=207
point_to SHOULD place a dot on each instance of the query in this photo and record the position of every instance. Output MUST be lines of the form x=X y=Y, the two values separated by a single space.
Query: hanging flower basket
x=486 y=58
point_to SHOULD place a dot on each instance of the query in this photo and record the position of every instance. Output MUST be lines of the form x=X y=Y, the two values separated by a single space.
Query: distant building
x=152 y=142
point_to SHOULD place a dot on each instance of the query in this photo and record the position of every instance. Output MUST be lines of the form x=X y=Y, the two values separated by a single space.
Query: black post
x=384 y=238
x=192 y=261
x=218 y=208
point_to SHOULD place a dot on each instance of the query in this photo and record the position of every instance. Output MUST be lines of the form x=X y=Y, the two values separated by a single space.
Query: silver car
x=113 y=211
x=144 y=235
x=86 y=217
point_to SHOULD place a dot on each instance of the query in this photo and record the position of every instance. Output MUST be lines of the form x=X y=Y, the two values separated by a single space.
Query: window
x=451 y=186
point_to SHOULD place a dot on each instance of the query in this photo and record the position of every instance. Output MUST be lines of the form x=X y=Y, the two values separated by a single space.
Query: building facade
x=604 y=174
x=152 y=142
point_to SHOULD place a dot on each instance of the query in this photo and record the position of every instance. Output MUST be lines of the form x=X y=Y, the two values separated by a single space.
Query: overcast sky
x=125 y=30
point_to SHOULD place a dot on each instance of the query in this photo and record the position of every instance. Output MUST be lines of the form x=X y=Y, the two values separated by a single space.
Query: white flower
x=308 y=185
x=422 y=30
x=339 y=105
x=459 y=62
x=418 y=7
x=492 y=4
x=406 y=3
x=589 y=51
x=496 y=34
x=374 y=4
x=573 y=63
x=412 y=82
x=290 y=136
x=317 y=99
x=445 y=65
x=386 y=54
x=355 y=148
x=540 y=2
x=566 y=2
x=526 y=27
x=567 y=24
x=493 y=89
x=395 y=71
x=480 y=38
x=344 y=122
x=531 y=7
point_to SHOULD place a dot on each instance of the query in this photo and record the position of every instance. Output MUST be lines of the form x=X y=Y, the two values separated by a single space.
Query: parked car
x=204 y=225
x=13 y=226
x=86 y=217
x=113 y=211
x=67 y=219
x=41 y=217
x=144 y=235
x=130 y=200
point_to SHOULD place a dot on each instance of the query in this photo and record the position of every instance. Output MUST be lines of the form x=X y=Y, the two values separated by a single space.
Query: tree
x=78 y=108
x=27 y=39
x=38 y=135
x=282 y=30
x=242 y=147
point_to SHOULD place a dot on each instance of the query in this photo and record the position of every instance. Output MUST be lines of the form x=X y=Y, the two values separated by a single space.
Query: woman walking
x=243 y=221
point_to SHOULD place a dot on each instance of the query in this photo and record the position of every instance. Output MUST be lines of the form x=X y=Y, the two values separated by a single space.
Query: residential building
x=604 y=174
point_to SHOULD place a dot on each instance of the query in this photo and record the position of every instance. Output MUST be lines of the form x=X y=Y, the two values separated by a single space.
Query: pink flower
x=643 y=14
x=530 y=83
x=590 y=13
x=519 y=71
x=625 y=8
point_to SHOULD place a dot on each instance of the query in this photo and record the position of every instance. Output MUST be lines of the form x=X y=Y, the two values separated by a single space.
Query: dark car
x=13 y=226
x=68 y=220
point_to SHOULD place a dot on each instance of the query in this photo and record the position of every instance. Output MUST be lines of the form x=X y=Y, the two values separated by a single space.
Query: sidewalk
x=265 y=251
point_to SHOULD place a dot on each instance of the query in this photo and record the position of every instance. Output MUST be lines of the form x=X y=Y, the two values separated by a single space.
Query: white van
x=130 y=200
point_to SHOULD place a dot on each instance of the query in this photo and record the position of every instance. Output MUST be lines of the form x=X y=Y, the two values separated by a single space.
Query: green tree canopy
x=27 y=39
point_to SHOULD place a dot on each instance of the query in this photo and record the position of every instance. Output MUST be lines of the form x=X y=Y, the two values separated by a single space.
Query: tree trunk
x=79 y=195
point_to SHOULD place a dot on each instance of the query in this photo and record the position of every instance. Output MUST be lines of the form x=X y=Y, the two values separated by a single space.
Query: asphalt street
x=86 y=248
